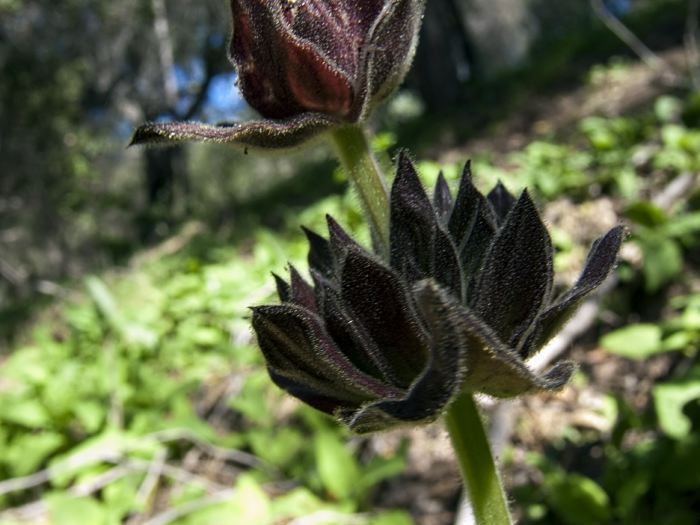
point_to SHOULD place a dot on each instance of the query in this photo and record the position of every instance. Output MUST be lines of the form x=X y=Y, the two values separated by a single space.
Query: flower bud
x=465 y=300
x=307 y=66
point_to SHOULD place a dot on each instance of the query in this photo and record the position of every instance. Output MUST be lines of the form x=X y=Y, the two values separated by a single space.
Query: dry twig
x=150 y=480
x=235 y=456
x=620 y=30
x=185 y=509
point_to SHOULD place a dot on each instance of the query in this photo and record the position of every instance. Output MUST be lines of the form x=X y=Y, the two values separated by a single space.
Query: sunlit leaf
x=65 y=510
x=670 y=400
x=392 y=518
x=27 y=452
x=578 y=500
x=663 y=260
x=337 y=467
x=27 y=412
x=645 y=213
x=637 y=341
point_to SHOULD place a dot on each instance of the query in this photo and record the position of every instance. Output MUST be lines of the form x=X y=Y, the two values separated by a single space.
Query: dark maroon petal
x=499 y=372
x=601 y=260
x=412 y=223
x=501 y=200
x=320 y=256
x=516 y=279
x=352 y=337
x=318 y=394
x=302 y=293
x=296 y=345
x=388 y=51
x=441 y=380
x=472 y=225
x=283 y=288
x=280 y=74
x=492 y=367
x=369 y=418
x=339 y=240
x=419 y=246
x=473 y=251
x=377 y=299
x=446 y=269
x=442 y=199
x=263 y=134
x=466 y=206
x=321 y=282
x=336 y=28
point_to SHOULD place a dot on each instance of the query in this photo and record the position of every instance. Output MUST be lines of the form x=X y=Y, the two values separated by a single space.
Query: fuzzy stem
x=476 y=462
x=366 y=175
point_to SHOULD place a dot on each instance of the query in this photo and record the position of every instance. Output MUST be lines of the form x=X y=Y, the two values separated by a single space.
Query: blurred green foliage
x=123 y=372
x=147 y=366
x=119 y=378
x=645 y=470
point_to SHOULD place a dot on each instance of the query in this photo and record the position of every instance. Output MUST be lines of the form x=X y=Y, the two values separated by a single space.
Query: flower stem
x=476 y=462
x=365 y=173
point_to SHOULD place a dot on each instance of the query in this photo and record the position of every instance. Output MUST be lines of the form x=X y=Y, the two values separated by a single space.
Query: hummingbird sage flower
x=308 y=66
x=464 y=300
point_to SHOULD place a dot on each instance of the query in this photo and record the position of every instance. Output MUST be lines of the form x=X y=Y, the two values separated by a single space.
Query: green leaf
x=337 y=468
x=381 y=468
x=645 y=213
x=26 y=412
x=28 y=365
x=106 y=305
x=578 y=500
x=634 y=486
x=62 y=391
x=120 y=497
x=668 y=109
x=669 y=401
x=250 y=503
x=90 y=414
x=663 y=260
x=672 y=135
x=252 y=401
x=207 y=336
x=683 y=225
x=65 y=510
x=298 y=502
x=104 y=302
x=28 y=451
x=396 y=517
x=637 y=341
x=277 y=448
x=678 y=341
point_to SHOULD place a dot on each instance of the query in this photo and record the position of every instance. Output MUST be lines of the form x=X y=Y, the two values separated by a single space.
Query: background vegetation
x=131 y=390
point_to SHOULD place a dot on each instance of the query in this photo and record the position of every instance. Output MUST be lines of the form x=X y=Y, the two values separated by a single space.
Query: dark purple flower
x=465 y=300
x=307 y=66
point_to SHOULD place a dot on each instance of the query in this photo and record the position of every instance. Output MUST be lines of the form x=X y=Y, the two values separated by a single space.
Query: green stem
x=366 y=175
x=476 y=462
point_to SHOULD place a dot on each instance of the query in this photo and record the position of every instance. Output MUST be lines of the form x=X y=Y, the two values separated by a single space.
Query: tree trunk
x=501 y=32
x=443 y=60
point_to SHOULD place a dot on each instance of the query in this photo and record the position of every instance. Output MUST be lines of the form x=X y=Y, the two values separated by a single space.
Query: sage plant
x=464 y=300
x=455 y=294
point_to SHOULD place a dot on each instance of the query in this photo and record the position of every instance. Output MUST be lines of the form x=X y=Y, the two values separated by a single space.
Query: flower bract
x=308 y=66
x=464 y=300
